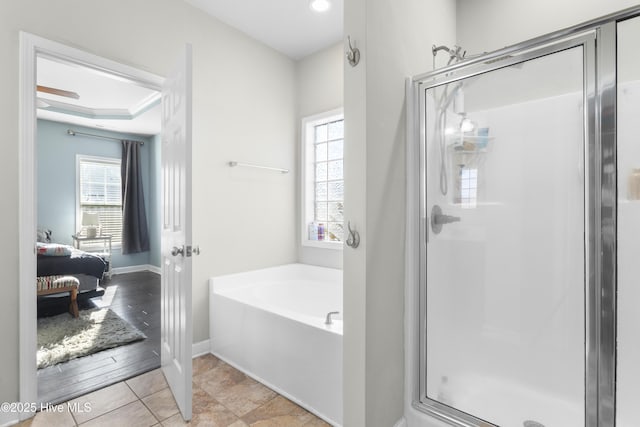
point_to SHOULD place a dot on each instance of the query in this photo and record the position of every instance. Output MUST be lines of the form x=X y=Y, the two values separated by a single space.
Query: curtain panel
x=135 y=232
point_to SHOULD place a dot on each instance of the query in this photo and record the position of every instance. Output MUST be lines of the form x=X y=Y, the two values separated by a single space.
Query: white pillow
x=53 y=249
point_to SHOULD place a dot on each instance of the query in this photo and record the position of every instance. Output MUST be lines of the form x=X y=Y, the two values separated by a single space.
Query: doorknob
x=175 y=251
x=438 y=219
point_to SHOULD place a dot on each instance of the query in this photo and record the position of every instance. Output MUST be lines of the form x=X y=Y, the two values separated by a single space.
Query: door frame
x=32 y=46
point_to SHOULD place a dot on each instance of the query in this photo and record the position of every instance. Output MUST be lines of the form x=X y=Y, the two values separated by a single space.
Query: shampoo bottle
x=313 y=231
x=634 y=185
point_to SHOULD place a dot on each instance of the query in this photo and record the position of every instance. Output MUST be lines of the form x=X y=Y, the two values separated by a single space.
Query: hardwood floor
x=136 y=298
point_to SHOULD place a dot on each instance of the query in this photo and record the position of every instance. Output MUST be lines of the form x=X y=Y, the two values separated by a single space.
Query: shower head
x=455 y=54
x=466 y=125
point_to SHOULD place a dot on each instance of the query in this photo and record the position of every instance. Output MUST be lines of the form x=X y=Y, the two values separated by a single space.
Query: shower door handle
x=438 y=219
x=445 y=219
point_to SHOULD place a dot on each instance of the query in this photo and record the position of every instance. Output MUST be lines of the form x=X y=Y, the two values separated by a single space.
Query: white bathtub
x=270 y=324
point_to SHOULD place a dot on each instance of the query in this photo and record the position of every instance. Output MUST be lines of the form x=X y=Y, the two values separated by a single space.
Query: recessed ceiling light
x=319 y=5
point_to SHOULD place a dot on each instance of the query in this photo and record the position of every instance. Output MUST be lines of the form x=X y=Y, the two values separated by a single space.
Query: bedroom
x=83 y=117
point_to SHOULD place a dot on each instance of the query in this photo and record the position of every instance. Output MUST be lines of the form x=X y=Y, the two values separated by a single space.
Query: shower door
x=505 y=166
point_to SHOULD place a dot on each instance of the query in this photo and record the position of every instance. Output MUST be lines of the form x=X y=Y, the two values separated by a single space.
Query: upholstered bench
x=56 y=284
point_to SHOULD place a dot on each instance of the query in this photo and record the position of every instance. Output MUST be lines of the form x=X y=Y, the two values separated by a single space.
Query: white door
x=176 y=342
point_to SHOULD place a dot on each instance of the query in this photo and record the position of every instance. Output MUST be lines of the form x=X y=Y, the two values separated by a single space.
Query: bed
x=55 y=259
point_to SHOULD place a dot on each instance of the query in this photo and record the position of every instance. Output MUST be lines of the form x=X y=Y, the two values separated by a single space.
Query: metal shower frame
x=598 y=41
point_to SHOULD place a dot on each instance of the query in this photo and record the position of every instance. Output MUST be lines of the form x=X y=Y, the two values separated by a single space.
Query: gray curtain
x=135 y=233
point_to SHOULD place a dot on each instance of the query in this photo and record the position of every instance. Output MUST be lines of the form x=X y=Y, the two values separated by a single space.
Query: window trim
x=307 y=185
x=78 y=220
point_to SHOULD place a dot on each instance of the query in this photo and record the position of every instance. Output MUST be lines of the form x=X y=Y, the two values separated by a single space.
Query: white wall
x=244 y=109
x=487 y=25
x=354 y=269
x=319 y=88
x=395 y=38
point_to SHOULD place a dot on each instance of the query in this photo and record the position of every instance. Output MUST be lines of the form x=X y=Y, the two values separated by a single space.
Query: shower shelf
x=457 y=149
x=460 y=149
x=456 y=143
x=458 y=137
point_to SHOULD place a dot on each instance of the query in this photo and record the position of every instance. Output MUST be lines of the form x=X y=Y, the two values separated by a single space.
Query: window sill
x=99 y=247
x=323 y=244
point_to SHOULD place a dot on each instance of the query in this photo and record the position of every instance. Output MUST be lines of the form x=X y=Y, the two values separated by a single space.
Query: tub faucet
x=329 y=321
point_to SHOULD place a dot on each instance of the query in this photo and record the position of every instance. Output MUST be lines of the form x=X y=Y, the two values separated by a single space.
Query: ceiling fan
x=59 y=92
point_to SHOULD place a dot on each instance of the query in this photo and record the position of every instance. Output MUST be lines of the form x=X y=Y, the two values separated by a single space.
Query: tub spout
x=329 y=321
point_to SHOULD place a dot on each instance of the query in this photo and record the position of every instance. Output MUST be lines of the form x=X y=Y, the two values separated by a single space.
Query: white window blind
x=100 y=191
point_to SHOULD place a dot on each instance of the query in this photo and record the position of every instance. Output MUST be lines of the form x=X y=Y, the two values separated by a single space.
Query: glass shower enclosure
x=525 y=191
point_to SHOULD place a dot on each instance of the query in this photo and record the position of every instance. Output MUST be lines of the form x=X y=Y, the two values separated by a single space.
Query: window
x=100 y=191
x=323 y=180
x=468 y=192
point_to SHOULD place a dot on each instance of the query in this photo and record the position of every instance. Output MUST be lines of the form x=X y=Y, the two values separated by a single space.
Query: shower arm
x=454 y=53
x=435 y=49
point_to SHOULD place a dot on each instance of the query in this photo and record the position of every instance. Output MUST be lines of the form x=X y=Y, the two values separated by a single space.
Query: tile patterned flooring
x=222 y=397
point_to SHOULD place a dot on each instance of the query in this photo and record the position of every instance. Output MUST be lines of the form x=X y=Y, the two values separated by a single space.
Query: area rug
x=62 y=338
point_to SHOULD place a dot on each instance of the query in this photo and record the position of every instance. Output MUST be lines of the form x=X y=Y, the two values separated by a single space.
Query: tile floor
x=222 y=397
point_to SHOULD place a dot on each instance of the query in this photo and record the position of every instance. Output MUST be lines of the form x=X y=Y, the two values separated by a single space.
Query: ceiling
x=288 y=26
x=105 y=100
x=112 y=103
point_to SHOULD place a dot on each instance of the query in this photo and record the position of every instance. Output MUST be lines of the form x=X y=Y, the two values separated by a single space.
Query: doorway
x=84 y=117
x=32 y=47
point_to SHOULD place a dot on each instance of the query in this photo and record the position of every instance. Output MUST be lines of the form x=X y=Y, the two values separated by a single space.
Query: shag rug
x=62 y=338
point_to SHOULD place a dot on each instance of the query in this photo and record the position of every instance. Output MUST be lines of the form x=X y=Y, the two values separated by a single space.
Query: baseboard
x=135 y=269
x=402 y=422
x=9 y=419
x=200 y=348
x=153 y=269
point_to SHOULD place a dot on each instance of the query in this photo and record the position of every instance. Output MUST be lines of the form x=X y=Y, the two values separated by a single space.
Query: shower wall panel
x=628 y=129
